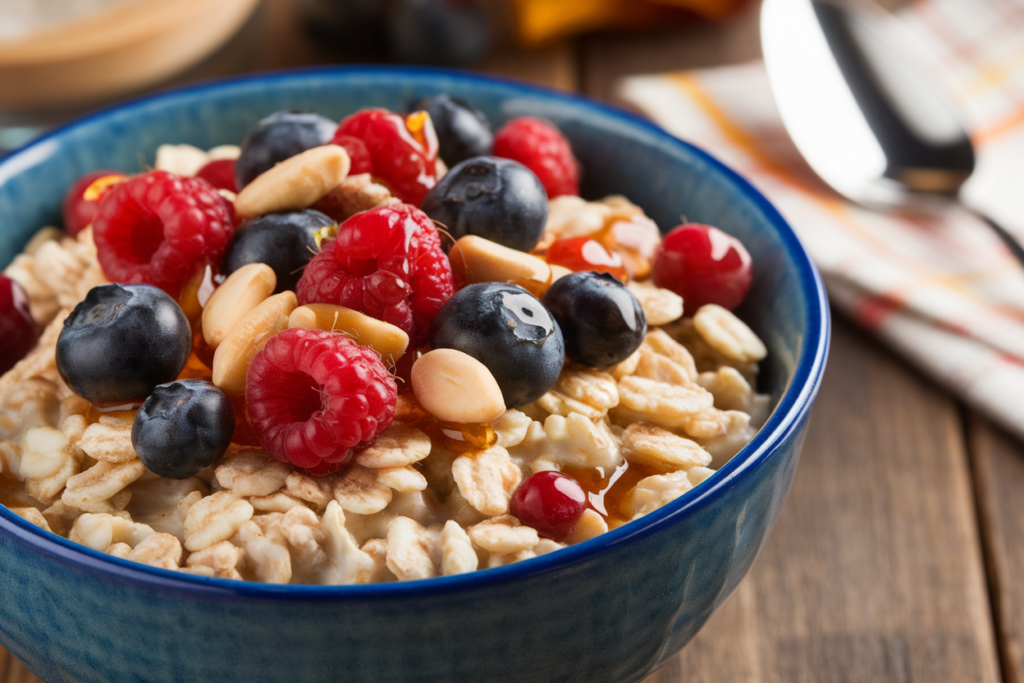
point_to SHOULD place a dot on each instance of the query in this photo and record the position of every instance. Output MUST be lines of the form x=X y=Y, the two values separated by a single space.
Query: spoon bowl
x=862 y=112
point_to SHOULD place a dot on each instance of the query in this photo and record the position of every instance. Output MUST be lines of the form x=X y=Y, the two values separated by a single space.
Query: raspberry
x=358 y=155
x=313 y=395
x=220 y=173
x=403 y=150
x=387 y=263
x=158 y=229
x=538 y=145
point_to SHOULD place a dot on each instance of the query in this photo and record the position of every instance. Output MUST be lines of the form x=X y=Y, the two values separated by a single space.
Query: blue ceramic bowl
x=610 y=609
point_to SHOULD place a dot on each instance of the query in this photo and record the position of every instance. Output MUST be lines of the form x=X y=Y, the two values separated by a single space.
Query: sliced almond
x=384 y=338
x=249 y=336
x=295 y=183
x=244 y=290
x=482 y=260
x=455 y=387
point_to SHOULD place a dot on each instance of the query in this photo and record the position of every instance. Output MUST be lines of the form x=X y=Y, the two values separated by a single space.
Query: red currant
x=220 y=173
x=550 y=502
x=584 y=254
x=83 y=198
x=17 y=330
x=403 y=150
x=703 y=265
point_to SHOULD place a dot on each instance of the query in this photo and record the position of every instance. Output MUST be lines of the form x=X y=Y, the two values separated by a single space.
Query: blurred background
x=59 y=58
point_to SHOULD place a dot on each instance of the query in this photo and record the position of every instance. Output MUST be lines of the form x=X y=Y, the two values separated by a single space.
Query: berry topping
x=601 y=320
x=550 y=502
x=83 y=198
x=313 y=395
x=542 y=148
x=359 y=156
x=159 y=229
x=507 y=329
x=280 y=136
x=497 y=199
x=284 y=241
x=220 y=173
x=387 y=263
x=17 y=330
x=403 y=150
x=703 y=265
x=463 y=132
x=121 y=342
x=585 y=254
x=182 y=428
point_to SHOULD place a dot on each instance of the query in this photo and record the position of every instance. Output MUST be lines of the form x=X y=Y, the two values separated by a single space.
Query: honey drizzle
x=606 y=495
x=456 y=437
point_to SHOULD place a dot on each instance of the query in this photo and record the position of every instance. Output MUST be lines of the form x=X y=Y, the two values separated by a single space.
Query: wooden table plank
x=998 y=461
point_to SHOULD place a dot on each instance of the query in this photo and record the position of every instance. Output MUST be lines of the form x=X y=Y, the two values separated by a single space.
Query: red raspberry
x=84 y=196
x=358 y=155
x=538 y=145
x=159 y=229
x=220 y=173
x=387 y=263
x=403 y=150
x=703 y=265
x=313 y=395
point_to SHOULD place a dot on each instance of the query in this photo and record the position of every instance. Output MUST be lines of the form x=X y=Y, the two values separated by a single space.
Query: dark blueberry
x=283 y=241
x=182 y=428
x=278 y=137
x=497 y=199
x=507 y=329
x=463 y=132
x=442 y=32
x=122 y=341
x=601 y=320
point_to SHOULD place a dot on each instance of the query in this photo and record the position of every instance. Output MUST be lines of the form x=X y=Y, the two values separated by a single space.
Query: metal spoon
x=862 y=113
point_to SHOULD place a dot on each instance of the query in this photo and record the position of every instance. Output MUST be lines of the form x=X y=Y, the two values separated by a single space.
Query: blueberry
x=601 y=320
x=507 y=329
x=281 y=135
x=442 y=32
x=283 y=241
x=122 y=341
x=182 y=428
x=497 y=199
x=463 y=132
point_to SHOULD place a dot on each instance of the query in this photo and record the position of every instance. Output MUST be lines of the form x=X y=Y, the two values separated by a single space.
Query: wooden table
x=895 y=555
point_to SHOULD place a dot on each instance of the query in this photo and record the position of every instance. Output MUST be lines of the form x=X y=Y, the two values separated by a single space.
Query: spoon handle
x=1011 y=242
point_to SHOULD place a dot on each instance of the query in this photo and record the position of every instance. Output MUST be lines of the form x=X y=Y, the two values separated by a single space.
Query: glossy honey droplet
x=607 y=492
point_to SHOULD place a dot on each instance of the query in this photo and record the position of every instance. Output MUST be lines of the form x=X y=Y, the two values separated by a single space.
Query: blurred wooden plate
x=116 y=51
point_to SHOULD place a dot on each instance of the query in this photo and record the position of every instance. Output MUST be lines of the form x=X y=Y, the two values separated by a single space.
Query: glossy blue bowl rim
x=785 y=420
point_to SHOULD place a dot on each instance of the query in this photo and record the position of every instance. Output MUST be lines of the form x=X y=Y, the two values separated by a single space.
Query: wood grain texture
x=998 y=461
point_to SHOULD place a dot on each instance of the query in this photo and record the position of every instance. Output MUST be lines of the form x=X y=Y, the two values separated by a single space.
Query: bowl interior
x=620 y=154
